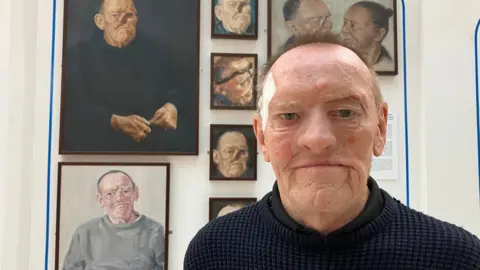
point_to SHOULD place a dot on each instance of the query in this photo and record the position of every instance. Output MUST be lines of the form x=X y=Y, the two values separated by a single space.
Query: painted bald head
x=321 y=119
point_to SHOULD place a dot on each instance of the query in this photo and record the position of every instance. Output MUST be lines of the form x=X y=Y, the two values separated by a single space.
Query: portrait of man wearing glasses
x=233 y=83
x=121 y=239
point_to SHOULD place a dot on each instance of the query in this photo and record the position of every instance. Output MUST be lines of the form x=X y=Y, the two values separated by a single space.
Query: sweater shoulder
x=452 y=240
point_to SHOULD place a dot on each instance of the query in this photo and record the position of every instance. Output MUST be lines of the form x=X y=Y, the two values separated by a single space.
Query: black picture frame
x=216 y=204
x=244 y=134
x=67 y=182
x=218 y=31
x=387 y=63
x=101 y=82
x=218 y=76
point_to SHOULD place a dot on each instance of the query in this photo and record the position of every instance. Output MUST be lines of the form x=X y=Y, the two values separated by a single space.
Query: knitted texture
x=399 y=238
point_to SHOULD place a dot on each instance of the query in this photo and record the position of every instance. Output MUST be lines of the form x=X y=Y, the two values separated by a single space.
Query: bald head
x=231 y=138
x=328 y=52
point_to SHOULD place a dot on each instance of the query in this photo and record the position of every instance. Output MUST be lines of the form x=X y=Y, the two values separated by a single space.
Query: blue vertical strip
x=405 y=104
x=476 y=100
x=49 y=151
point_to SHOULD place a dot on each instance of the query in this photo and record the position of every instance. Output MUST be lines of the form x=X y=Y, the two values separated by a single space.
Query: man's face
x=358 y=30
x=118 y=20
x=239 y=88
x=312 y=17
x=322 y=127
x=117 y=195
x=231 y=155
x=235 y=15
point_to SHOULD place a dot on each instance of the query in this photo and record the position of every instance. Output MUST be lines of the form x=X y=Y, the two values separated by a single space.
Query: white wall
x=441 y=116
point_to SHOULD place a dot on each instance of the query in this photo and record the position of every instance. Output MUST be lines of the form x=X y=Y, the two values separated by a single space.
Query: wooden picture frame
x=281 y=24
x=117 y=92
x=84 y=188
x=227 y=8
x=233 y=152
x=226 y=78
x=219 y=206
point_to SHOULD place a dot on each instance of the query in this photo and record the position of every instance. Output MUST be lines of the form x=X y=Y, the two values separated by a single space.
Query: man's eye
x=288 y=116
x=345 y=113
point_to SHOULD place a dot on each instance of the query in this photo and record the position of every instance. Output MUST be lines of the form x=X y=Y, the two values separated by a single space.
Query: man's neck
x=327 y=222
x=125 y=219
x=372 y=53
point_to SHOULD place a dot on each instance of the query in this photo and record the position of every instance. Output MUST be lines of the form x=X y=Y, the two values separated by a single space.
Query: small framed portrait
x=233 y=152
x=233 y=81
x=222 y=206
x=370 y=27
x=235 y=19
x=112 y=215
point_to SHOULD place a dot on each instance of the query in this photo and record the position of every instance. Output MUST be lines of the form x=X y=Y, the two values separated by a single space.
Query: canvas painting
x=235 y=19
x=233 y=152
x=129 y=82
x=370 y=27
x=112 y=216
x=222 y=206
x=233 y=81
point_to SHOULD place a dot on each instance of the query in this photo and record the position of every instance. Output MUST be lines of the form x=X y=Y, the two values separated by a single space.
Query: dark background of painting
x=216 y=204
x=174 y=23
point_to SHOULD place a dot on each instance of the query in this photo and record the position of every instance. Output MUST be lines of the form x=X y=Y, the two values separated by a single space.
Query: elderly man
x=233 y=17
x=365 y=26
x=231 y=156
x=322 y=118
x=120 y=88
x=123 y=239
x=303 y=17
x=233 y=82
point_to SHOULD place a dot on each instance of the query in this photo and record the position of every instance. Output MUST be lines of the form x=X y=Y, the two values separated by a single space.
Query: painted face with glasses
x=234 y=80
x=312 y=16
x=118 y=21
x=117 y=195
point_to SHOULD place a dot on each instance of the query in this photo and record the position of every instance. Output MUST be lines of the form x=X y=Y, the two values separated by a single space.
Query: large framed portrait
x=222 y=206
x=368 y=26
x=233 y=81
x=129 y=82
x=234 y=19
x=233 y=152
x=112 y=216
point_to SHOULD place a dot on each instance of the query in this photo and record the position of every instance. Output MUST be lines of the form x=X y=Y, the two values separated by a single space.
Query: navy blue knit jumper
x=399 y=238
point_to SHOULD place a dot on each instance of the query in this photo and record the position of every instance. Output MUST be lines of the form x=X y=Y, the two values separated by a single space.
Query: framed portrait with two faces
x=369 y=27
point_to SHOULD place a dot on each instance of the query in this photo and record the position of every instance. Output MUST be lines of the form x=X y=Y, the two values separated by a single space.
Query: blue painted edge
x=476 y=100
x=49 y=151
x=50 y=114
x=405 y=104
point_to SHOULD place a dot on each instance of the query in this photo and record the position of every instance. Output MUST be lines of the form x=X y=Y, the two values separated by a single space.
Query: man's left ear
x=99 y=21
x=137 y=193
x=381 y=133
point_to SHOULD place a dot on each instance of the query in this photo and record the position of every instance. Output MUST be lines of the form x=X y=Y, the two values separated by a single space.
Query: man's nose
x=317 y=135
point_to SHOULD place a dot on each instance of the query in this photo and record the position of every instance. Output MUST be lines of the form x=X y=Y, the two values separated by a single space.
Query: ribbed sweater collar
x=300 y=239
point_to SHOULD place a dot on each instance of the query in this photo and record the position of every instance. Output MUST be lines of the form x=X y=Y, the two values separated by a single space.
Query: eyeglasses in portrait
x=233 y=152
x=129 y=82
x=233 y=81
x=234 y=19
x=223 y=206
x=370 y=27
x=112 y=216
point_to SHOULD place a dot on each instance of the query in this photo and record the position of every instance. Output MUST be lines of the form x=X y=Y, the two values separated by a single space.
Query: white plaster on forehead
x=269 y=89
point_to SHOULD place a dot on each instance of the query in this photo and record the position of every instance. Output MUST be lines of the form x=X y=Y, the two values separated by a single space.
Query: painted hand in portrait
x=125 y=88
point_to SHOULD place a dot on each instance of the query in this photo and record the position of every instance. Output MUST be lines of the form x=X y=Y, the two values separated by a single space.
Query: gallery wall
x=441 y=177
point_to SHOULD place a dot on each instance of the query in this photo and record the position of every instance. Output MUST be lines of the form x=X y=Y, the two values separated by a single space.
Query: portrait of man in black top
x=125 y=88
